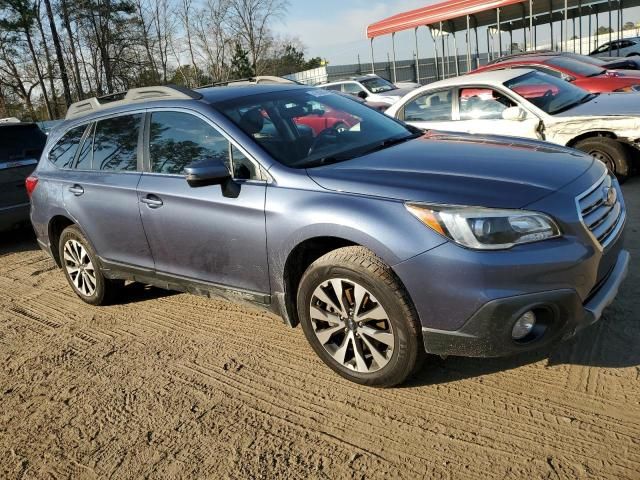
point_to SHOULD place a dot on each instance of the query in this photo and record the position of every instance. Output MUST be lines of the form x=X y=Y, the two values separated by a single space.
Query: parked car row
x=382 y=240
x=529 y=103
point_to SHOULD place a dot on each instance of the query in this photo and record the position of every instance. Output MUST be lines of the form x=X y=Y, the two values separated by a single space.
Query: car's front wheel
x=609 y=151
x=359 y=319
x=82 y=268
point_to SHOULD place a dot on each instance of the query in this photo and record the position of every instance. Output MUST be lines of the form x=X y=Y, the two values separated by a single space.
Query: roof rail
x=164 y=92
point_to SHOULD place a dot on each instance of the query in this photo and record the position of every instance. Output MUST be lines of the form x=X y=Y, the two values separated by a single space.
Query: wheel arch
x=56 y=226
x=300 y=257
x=591 y=134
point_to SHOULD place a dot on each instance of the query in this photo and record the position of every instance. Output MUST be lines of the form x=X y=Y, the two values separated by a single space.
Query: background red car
x=587 y=76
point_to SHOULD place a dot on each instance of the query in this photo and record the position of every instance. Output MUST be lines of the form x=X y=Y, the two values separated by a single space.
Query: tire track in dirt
x=182 y=386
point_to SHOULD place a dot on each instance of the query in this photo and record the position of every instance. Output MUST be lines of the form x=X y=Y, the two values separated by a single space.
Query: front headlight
x=485 y=228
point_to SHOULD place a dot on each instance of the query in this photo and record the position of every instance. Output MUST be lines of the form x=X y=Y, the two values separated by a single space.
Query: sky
x=335 y=29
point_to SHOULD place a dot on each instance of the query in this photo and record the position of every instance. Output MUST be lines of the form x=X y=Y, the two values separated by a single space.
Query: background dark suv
x=383 y=241
x=21 y=145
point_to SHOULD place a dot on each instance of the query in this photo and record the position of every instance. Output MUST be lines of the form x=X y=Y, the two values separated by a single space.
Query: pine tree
x=240 y=65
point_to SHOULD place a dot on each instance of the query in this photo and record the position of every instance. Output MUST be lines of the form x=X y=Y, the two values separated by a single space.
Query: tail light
x=31 y=182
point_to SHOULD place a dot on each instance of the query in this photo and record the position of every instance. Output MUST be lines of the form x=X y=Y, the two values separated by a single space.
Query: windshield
x=548 y=93
x=306 y=128
x=378 y=85
x=576 y=67
x=585 y=58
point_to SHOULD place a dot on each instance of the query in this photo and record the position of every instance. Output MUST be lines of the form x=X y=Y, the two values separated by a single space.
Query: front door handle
x=152 y=201
x=77 y=190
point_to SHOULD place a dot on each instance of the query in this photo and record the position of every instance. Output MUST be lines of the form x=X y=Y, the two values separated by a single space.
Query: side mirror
x=363 y=95
x=515 y=114
x=207 y=172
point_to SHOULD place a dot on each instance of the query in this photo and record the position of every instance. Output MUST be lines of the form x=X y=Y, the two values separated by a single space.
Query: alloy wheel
x=351 y=325
x=79 y=267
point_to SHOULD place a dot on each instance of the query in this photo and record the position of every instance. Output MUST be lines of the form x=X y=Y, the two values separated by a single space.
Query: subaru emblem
x=609 y=195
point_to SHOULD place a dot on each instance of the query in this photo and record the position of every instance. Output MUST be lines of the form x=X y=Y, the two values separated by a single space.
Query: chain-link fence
x=405 y=70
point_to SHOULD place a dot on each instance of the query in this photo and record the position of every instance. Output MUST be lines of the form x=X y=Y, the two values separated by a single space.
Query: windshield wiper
x=390 y=142
x=588 y=97
x=564 y=108
x=354 y=153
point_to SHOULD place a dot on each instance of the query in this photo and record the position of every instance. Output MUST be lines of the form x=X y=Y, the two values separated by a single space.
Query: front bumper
x=561 y=313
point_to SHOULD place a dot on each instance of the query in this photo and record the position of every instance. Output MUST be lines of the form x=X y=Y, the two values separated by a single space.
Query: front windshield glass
x=548 y=93
x=304 y=128
x=585 y=58
x=378 y=85
x=576 y=67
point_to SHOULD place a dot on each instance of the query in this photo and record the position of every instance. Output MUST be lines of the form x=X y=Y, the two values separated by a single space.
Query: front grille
x=603 y=218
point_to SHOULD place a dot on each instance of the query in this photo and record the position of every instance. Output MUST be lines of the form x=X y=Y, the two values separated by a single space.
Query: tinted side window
x=429 y=107
x=178 y=139
x=482 y=103
x=63 y=153
x=352 y=88
x=115 y=143
x=335 y=88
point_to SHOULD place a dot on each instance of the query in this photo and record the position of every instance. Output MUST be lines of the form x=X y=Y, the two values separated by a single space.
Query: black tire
x=360 y=265
x=105 y=290
x=613 y=154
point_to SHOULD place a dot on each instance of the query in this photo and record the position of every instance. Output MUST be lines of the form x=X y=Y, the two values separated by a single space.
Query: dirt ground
x=176 y=386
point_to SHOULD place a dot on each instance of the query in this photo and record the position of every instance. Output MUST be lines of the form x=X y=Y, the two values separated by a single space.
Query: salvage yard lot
x=173 y=385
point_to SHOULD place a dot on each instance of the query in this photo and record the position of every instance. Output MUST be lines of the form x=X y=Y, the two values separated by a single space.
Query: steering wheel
x=325 y=136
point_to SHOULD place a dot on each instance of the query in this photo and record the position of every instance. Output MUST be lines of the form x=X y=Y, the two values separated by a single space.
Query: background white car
x=625 y=47
x=528 y=103
x=372 y=88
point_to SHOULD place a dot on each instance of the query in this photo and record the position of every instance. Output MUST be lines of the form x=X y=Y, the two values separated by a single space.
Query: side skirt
x=113 y=271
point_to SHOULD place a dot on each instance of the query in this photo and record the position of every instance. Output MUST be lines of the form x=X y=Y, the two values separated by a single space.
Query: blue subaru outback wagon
x=383 y=241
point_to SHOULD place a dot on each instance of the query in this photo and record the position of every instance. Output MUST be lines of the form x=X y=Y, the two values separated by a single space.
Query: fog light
x=523 y=325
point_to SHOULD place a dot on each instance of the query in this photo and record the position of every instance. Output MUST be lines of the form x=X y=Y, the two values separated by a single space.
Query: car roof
x=530 y=58
x=206 y=95
x=490 y=77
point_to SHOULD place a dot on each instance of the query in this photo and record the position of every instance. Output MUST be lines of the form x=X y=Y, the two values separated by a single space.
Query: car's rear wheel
x=612 y=153
x=82 y=268
x=359 y=319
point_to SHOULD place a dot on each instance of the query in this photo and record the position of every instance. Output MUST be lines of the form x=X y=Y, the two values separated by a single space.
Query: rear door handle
x=152 y=201
x=77 y=190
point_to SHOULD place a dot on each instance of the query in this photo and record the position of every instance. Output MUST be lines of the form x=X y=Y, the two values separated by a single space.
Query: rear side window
x=115 y=144
x=352 y=88
x=63 y=153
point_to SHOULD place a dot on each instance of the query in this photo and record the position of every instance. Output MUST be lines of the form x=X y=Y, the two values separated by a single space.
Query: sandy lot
x=177 y=386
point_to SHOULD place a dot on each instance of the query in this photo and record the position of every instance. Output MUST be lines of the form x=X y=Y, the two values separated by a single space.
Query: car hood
x=452 y=168
x=606 y=104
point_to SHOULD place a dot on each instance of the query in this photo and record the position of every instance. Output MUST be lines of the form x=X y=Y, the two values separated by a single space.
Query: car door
x=480 y=110
x=207 y=234
x=430 y=110
x=100 y=188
